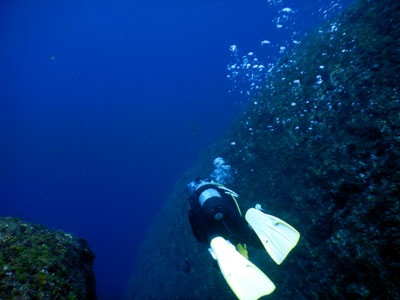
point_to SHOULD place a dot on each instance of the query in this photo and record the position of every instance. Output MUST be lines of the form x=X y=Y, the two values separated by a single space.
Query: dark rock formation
x=38 y=263
x=319 y=148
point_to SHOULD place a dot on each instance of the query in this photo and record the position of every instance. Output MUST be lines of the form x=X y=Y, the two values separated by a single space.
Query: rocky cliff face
x=38 y=263
x=319 y=148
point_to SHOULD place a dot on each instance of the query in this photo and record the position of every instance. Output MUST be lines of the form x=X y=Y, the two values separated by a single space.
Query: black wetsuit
x=232 y=226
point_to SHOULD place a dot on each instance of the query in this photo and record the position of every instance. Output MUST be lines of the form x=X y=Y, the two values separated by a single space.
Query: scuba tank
x=214 y=210
x=208 y=198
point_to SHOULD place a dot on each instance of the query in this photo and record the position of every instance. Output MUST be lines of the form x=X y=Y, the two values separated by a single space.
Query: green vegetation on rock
x=38 y=263
x=320 y=148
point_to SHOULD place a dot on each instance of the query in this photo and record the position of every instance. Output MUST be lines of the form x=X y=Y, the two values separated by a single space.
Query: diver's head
x=193 y=186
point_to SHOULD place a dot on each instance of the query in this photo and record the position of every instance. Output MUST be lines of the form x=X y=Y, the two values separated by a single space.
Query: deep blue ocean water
x=104 y=103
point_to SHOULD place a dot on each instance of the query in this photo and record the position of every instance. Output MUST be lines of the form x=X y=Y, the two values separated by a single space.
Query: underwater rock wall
x=38 y=263
x=319 y=148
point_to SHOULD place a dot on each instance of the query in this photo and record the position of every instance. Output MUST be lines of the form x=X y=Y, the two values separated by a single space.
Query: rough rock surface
x=38 y=263
x=321 y=150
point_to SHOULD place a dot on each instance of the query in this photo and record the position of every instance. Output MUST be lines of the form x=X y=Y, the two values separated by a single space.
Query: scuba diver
x=216 y=219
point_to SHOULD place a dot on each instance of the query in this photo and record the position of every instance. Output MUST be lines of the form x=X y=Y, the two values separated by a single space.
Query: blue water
x=103 y=104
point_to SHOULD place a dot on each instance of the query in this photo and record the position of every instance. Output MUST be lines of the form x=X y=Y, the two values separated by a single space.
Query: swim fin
x=277 y=236
x=246 y=280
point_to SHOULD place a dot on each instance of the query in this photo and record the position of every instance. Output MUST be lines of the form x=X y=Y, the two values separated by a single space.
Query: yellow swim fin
x=277 y=236
x=246 y=280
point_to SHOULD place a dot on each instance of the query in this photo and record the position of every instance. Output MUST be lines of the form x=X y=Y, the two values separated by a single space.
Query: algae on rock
x=321 y=150
x=38 y=263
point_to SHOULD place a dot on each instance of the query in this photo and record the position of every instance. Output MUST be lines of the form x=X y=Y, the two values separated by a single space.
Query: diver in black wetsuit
x=214 y=211
x=216 y=219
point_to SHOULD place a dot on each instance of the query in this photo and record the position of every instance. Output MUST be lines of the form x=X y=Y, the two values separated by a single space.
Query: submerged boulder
x=39 y=263
x=319 y=148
